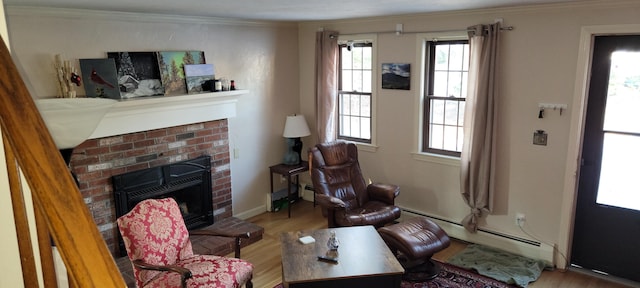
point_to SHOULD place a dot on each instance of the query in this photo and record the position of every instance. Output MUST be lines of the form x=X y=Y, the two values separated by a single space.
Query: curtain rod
x=507 y=28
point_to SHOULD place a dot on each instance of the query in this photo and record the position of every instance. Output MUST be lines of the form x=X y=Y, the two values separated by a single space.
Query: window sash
x=438 y=144
x=354 y=115
x=355 y=87
x=444 y=135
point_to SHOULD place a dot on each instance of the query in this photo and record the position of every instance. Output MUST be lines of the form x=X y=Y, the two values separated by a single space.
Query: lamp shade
x=296 y=126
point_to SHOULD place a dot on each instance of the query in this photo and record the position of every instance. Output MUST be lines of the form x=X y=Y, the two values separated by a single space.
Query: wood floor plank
x=265 y=254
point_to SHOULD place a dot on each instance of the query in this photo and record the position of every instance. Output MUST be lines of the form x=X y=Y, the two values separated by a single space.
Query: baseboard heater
x=517 y=245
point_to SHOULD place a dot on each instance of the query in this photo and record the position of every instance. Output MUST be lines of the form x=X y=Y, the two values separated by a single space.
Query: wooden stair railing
x=58 y=203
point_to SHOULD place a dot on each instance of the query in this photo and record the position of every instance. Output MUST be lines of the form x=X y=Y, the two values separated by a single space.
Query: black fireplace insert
x=188 y=182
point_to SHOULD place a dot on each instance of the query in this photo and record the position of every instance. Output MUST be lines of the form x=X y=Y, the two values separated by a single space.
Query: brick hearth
x=96 y=160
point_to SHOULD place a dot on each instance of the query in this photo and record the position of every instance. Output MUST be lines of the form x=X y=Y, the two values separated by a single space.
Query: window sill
x=366 y=147
x=435 y=158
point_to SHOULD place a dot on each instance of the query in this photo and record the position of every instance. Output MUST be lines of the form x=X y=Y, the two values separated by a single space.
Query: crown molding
x=553 y=7
x=18 y=10
x=22 y=10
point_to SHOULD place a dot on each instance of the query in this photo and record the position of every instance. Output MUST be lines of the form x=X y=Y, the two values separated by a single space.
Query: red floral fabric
x=154 y=232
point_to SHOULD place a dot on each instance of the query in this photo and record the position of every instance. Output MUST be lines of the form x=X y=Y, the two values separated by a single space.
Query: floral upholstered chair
x=158 y=245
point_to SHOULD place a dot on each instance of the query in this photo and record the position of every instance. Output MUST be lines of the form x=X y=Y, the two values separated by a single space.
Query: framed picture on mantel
x=138 y=74
x=100 y=78
x=171 y=64
x=196 y=75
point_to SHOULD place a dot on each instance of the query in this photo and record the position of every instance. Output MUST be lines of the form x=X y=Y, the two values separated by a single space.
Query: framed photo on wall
x=396 y=76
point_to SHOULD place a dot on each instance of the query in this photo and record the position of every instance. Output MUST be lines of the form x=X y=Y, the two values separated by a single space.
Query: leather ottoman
x=413 y=242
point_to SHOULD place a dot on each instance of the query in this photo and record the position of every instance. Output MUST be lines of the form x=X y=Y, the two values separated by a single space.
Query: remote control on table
x=327 y=259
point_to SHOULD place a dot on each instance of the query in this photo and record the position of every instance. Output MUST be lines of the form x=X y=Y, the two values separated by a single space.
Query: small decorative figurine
x=333 y=241
x=76 y=79
x=64 y=72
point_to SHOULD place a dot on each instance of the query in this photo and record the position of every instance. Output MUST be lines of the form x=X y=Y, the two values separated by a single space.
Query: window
x=447 y=64
x=355 y=99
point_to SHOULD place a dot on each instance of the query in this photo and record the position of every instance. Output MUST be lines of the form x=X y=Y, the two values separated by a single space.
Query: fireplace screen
x=188 y=182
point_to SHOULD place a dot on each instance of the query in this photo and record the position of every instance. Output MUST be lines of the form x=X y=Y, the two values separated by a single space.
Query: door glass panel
x=621 y=124
x=619 y=172
x=623 y=95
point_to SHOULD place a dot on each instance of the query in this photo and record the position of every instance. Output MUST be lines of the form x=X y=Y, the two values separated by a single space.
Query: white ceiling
x=280 y=10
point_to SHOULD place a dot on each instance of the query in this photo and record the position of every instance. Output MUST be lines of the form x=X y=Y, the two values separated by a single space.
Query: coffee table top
x=362 y=252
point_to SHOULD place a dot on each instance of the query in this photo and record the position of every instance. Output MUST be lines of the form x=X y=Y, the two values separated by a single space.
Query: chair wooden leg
x=237 y=247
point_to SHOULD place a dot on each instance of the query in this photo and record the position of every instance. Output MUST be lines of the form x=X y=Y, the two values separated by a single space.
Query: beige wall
x=260 y=57
x=539 y=60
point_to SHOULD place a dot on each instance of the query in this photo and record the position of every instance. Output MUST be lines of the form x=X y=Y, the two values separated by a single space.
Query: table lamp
x=295 y=127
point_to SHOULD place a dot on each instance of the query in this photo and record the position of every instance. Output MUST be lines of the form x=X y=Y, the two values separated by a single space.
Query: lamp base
x=292 y=156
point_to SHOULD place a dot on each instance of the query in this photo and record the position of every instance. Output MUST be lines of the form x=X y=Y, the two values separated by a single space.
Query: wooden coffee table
x=364 y=260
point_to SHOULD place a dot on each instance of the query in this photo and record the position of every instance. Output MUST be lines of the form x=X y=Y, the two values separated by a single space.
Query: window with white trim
x=355 y=90
x=447 y=69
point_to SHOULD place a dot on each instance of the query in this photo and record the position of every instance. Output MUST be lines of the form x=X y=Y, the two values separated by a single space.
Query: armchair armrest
x=221 y=233
x=329 y=202
x=383 y=192
x=184 y=272
x=229 y=234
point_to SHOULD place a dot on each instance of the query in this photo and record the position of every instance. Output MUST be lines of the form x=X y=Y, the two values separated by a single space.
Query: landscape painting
x=396 y=76
x=196 y=75
x=100 y=78
x=138 y=74
x=171 y=65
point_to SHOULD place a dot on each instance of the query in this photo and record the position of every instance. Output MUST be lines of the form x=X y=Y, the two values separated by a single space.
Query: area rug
x=454 y=277
x=498 y=264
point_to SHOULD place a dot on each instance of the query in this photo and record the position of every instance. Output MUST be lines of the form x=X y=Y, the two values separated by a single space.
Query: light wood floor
x=265 y=254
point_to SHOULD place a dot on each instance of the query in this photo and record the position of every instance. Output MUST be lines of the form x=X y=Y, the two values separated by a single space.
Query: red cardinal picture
x=95 y=78
x=99 y=78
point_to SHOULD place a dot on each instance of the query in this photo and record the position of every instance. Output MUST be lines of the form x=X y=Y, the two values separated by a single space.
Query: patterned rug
x=454 y=277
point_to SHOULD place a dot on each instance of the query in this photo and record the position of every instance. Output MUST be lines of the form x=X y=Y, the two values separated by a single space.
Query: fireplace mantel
x=149 y=113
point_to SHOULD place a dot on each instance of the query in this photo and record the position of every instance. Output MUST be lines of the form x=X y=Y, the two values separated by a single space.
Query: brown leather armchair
x=341 y=189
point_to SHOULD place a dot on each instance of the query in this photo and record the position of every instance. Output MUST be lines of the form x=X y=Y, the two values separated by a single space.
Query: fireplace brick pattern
x=96 y=160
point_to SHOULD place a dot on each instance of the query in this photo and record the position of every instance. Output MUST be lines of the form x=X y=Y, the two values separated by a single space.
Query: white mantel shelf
x=149 y=113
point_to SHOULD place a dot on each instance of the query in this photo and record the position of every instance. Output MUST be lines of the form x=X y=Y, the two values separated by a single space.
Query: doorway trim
x=576 y=132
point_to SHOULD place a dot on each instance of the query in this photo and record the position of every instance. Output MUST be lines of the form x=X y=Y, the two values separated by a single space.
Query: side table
x=288 y=171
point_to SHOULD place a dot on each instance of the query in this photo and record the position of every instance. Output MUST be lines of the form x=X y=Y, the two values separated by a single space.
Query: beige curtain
x=479 y=148
x=326 y=85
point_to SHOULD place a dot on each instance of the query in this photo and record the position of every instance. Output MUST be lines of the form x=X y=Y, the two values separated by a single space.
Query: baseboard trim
x=250 y=213
x=517 y=245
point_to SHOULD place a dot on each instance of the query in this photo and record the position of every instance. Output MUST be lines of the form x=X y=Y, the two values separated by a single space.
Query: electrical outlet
x=283 y=179
x=520 y=219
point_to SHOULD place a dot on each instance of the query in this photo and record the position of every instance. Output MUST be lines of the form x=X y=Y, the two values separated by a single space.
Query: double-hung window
x=447 y=69
x=355 y=97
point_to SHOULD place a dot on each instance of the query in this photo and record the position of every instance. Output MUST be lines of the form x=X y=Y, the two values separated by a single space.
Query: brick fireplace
x=96 y=160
